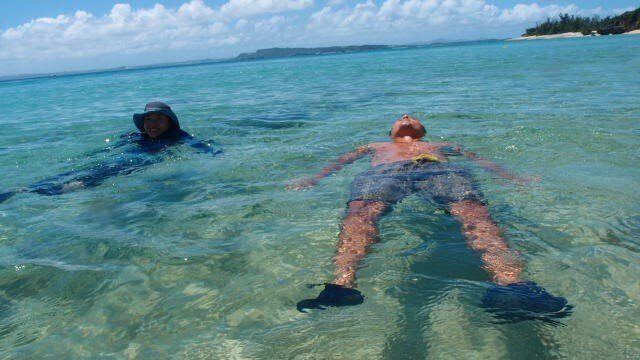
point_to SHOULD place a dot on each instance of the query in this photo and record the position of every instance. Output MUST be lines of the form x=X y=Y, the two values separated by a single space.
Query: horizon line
x=209 y=61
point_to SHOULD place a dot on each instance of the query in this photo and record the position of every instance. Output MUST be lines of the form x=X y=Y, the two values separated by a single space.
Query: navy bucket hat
x=155 y=107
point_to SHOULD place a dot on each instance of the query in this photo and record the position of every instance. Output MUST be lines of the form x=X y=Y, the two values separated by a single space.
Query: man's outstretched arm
x=488 y=164
x=345 y=159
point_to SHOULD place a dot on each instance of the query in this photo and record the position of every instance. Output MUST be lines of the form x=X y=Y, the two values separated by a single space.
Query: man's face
x=407 y=126
x=156 y=124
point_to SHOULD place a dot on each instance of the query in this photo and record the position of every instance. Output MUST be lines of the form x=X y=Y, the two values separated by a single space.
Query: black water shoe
x=332 y=295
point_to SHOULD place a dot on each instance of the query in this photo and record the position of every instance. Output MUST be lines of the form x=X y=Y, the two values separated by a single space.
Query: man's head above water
x=406 y=129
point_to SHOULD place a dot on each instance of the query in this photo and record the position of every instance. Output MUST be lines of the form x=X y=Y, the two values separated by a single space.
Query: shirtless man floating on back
x=405 y=166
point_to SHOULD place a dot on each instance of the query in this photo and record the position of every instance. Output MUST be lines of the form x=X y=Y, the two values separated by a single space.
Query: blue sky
x=14 y=13
x=45 y=36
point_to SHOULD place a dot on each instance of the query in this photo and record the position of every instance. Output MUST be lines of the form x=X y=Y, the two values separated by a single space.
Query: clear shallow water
x=206 y=257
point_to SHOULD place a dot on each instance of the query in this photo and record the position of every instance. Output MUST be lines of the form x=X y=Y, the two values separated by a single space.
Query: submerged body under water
x=206 y=257
x=134 y=152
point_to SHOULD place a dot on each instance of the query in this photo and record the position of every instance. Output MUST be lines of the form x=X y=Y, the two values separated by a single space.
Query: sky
x=40 y=36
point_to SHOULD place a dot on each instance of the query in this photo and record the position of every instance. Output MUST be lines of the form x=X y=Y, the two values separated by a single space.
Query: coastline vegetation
x=619 y=24
x=274 y=53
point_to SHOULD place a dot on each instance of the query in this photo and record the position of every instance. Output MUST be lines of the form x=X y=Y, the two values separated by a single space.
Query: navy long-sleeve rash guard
x=144 y=151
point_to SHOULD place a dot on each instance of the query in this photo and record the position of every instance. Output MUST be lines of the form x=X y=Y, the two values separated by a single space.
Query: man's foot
x=332 y=295
x=525 y=301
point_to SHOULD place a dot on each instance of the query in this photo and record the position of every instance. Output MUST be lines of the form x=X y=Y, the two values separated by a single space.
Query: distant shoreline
x=553 y=36
x=262 y=54
x=570 y=25
x=566 y=35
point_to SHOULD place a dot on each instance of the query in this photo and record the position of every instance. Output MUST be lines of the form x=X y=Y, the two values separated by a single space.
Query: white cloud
x=394 y=14
x=128 y=30
x=196 y=28
x=535 y=12
x=245 y=8
x=410 y=21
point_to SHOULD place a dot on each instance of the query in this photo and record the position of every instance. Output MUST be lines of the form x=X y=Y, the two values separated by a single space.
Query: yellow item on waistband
x=425 y=157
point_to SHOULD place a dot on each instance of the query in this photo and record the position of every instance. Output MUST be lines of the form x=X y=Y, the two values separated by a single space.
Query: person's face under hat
x=156 y=124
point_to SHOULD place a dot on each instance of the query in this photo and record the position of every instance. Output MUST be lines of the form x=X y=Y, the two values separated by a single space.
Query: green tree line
x=619 y=24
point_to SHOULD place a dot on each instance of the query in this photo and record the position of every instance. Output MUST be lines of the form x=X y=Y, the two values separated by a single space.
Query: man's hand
x=72 y=185
x=495 y=168
x=347 y=158
x=301 y=184
x=526 y=180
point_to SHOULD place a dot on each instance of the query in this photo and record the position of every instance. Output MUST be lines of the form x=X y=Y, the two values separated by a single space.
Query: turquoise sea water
x=205 y=257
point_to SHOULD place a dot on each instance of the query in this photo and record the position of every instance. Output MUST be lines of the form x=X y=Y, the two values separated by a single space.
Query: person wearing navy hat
x=159 y=129
x=158 y=121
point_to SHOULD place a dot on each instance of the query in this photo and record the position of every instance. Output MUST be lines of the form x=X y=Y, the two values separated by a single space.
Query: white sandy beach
x=564 y=35
x=554 y=36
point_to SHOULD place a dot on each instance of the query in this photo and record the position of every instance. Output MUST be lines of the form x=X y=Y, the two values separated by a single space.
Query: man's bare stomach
x=389 y=153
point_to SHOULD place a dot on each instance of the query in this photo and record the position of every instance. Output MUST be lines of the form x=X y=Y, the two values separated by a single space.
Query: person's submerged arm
x=485 y=163
x=345 y=159
x=205 y=147
x=124 y=139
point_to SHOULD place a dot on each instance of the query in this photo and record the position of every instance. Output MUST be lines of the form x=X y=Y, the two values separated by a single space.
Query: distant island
x=262 y=54
x=570 y=25
x=276 y=53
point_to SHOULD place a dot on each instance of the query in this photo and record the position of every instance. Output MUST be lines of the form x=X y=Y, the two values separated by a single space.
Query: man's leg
x=483 y=236
x=359 y=230
x=511 y=300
